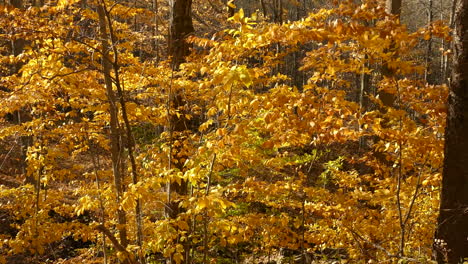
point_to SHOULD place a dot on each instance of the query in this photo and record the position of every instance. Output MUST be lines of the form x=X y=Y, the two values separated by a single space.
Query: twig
x=205 y=216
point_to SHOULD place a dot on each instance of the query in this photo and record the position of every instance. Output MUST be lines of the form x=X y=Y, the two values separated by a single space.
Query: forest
x=233 y=131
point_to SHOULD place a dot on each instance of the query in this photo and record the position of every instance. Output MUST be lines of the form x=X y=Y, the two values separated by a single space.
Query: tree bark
x=428 y=56
x=16 y=3
x=116 y=148
x=155 y=42
x=451 y=243
x=130 y=142
x=394 y=7
x=277 y=11
x=264 y=10
x=452 y=25
x=181 y=26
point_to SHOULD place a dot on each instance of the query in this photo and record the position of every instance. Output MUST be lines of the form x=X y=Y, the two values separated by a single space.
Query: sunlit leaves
x=269 y=164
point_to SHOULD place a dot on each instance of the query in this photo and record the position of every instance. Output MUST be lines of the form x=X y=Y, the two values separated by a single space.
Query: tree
x=180 y=27
x=451 y=242
x=252 y=163
x=394 y=7
x=115 y=136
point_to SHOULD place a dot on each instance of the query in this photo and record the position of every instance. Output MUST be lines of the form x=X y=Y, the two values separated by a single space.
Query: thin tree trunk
x=427 y=59
x=130 y=139
x=452 y=22
x=364 y=88
x=116 y=148
x=277 y=11
x=95 y=161
x=205 y=213
x=264 y=10
x=37 y=192
x=451 y=242
x=156 y=29
x=442 y=57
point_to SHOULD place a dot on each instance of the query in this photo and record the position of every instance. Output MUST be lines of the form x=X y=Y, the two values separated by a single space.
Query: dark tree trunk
x=16 y=3
x=394 y=7
x=451 y=243
x=264 y=10
x=428 y=56
x=231 y=10
x=181 y=27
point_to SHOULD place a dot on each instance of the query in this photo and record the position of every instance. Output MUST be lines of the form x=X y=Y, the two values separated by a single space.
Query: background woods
x=273 y=131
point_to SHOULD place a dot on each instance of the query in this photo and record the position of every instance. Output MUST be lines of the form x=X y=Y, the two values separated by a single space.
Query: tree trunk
x=451 y=23
x=180 y=27
x=277 y=11
x=130 y=142
x=428 y=56
x=451 y=244
x=394 y=7
x=16 y=3
x=155 y=42
x=264 y=10
x=116 y=148
x=443 y=47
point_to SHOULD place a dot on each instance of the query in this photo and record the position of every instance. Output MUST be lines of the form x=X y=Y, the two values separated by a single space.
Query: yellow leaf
x=178 y=257
x=221 y=132
x=183 y=225
x=231 y=4
x=202 y=203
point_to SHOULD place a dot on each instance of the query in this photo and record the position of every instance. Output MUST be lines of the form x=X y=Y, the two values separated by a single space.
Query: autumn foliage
x=318 y=166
